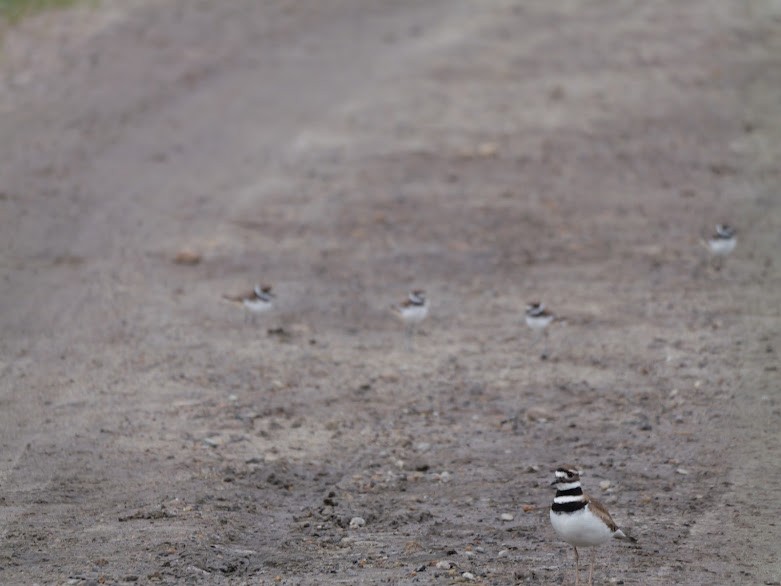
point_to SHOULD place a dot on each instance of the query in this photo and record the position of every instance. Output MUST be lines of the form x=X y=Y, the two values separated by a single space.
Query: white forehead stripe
x=561 y=474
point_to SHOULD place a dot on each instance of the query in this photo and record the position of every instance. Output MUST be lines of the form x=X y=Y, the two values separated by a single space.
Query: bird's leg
x=535 y=341
x=577 y=566
x=545 y=345
x=717 y=262
x=591 y=566
x=246 y=316
x=408 y=337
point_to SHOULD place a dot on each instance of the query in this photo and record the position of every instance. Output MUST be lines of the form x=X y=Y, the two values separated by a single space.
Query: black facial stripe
x=568 y=507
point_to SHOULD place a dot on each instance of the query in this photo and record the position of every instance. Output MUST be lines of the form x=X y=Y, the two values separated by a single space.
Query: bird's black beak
x=555 y=482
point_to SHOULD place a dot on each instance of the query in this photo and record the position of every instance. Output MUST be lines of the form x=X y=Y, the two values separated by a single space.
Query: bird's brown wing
x=239 y=298
x=600 y=511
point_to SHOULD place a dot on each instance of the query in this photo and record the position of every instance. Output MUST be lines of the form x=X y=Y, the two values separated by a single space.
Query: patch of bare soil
x=169 y=152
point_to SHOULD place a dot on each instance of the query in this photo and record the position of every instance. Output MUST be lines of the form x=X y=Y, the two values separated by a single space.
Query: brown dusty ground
x=491 y=152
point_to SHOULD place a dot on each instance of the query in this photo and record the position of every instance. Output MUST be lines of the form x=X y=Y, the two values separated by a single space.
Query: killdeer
x=722 y=243
x=579 y=519
x=412 y=311
x=259 y=300
x=538 y=318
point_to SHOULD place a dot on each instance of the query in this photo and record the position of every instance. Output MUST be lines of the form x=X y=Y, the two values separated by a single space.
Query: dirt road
x=493 y=153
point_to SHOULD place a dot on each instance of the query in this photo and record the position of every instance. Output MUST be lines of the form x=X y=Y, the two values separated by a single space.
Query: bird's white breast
x=538 y=322
x=257 y=305
x=581 y=528
x=414 y=313
x=722 y=246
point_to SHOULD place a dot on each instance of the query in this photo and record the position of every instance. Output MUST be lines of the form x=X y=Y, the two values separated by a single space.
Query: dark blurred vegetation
x=14 y=10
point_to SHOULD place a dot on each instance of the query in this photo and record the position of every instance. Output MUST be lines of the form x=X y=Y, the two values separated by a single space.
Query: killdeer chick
x=722 y=243
x=412 y=311
x=538 y=319
x=579 y=519
x=259 y=300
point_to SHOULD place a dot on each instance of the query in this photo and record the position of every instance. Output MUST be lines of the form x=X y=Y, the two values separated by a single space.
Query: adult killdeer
x=259 y=300
x=579 y=519
x=538 y=318
x=412 y=311
x=722 y=242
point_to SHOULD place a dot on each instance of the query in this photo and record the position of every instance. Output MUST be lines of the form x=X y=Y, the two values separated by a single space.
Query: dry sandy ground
x=492 y=152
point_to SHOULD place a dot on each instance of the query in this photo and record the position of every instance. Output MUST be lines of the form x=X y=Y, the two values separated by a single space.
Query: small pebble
x=468 y=576
x=356 y=522
x=487 y=149
x=507 y=516
x=604 y=485
x=683 y=471
x=504 y=553
x=443 y=565
x=187 y=256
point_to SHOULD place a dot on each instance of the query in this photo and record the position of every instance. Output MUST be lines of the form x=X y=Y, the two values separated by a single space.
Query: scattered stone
x=212 y=442
x=556 y=93
x=357 y=522
x=604 y=485
x=504 y=553
x=539 y=414
x=468 y=576
x=682 y=471
x=444 y=565
x=528 y=508
x=487 y=149
x=507 y=516
x=187 y=256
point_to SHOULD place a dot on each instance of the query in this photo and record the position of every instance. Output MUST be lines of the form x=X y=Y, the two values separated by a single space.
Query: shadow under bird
x=580 y=520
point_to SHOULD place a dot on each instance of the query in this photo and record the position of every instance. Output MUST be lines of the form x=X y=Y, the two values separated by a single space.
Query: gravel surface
x=156 y=155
